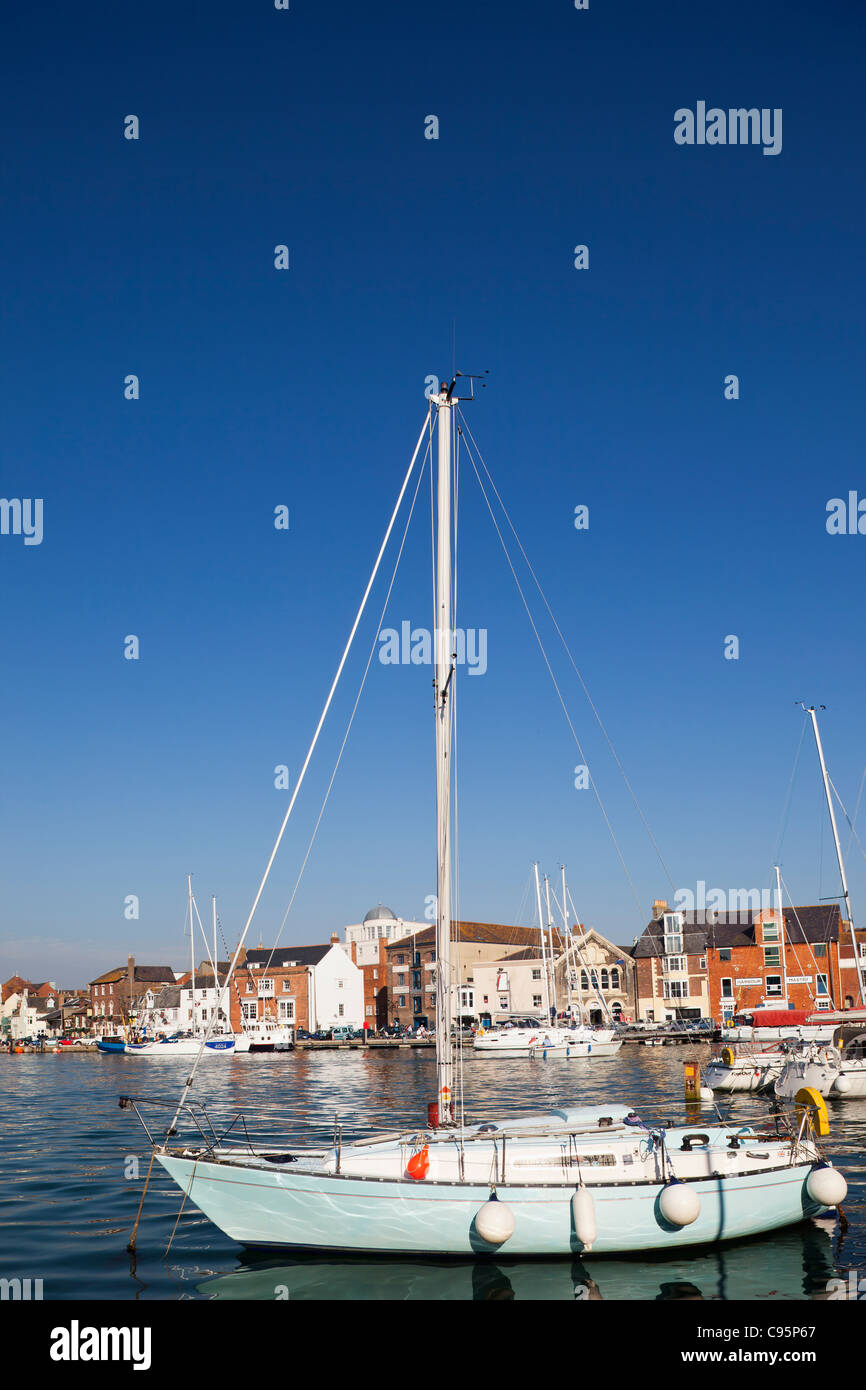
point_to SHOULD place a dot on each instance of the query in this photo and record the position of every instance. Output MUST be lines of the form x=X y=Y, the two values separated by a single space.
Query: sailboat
x=838 y=1068
x=148 y=1042
x=573 y=1179
x=536 y=1036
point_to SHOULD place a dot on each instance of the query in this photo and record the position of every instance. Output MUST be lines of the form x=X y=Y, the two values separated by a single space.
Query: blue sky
x=305 y=388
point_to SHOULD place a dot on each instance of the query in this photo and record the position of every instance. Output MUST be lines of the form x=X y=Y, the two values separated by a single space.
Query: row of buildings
x=685 y=965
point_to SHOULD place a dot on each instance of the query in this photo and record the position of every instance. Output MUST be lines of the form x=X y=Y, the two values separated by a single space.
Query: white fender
x=494 y=1222
x=842 y=1085
x=583 y=1216
x=679 y=1203
x=826 y=1186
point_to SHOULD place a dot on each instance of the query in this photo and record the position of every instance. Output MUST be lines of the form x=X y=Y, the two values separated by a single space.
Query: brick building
x=308 y=987
x=125 y=991
x=412 y=967
x=367 y=943
x=714 y=964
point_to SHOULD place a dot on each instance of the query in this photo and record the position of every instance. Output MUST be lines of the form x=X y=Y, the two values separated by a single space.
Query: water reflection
x=794 y=1264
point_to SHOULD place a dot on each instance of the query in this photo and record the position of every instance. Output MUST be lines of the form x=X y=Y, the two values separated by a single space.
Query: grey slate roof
x=275 y=956
x=815 y=923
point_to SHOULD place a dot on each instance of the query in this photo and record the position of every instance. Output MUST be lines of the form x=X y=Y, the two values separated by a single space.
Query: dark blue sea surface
x=73 y=1167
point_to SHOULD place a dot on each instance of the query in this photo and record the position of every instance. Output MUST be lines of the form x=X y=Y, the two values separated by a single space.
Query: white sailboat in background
x=837 y=1069
x=539 y=1035
x=148 y=1041
x=573 y=1179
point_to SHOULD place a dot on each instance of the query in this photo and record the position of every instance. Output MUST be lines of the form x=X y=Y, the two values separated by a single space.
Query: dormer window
x=672 y=925
x=770 y=930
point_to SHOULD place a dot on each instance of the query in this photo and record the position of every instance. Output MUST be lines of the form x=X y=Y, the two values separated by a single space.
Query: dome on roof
x=380 y=914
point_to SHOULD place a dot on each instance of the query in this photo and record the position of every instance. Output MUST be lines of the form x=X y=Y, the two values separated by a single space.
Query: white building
x=26 y=1015
x=380 y=924
x=332 y=982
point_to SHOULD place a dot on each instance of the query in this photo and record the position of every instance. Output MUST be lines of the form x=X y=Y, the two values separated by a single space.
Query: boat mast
x=444 y=674
x=782 y=933
x=550 y=943
x=191 y=947
x=544 y=975
x=569 y=936
x=811 y=711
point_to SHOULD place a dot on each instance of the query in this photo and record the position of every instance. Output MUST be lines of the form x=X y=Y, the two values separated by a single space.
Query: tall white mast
x=782 y=933
x=849 y=913
x=543 y=953
x=550 y=943
x=191 y=946
x=569 y=937
x=444 y=675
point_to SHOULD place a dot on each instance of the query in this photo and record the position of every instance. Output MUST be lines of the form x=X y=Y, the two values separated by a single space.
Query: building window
x=536 y=1001
x=772 y=956
x=416 y=979
x=821 y=987
x=672 y=925
x=820 y=950
x=823 y=1003
x=674 y=965
x=605 y=979
x=774 y=985
x=401 y=960
x=375 y=974
x=287 y=985
x=584 y=982
x=401 y=1002
x=369 y=1009
x=287 y=1010
x=702 y=963
x=770 y=931
x=727 y=989
x=725 y=953
x=250 y=1012
x=536 y=974
x=675 y=989
x=340 y=1010
x=614 y=978
x=416 y=1003
x=251 y=989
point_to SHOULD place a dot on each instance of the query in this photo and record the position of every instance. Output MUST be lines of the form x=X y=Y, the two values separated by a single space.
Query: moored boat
x=572 y=1180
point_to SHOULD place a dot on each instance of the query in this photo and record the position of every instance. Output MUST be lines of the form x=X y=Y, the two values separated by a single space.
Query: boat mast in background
x=782 y=934
x=191 y=947
x=810 y=710
x=544 y=975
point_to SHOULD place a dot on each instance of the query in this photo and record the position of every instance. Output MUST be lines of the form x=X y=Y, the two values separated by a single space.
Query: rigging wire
x=565 y=711
x=572 y=661
x=343 y=659
x=351 y=718
x=847 y=817
x=856 y=809
x=786 y=809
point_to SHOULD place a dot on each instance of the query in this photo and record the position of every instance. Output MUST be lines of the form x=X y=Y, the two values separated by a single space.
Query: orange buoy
x=419 y=1164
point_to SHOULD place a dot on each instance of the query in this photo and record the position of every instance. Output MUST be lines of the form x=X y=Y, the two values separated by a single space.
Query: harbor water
x=73 y=1166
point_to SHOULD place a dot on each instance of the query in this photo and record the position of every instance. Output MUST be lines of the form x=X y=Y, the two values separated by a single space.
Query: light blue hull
x=326 y=1212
